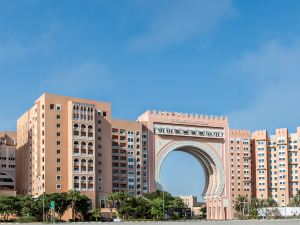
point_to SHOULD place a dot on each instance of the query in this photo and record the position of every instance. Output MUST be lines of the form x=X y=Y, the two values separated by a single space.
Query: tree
x=26 y=206
x=240 y=203
x=295 y=201
x=73 y=196
x=176 y=203
x=143 y=208
x=270 y=202
x=62 y=203
x=8 y=206
x=42 y=205
x=82 y=206
x=96 y=214
x=157 y=208
x=203 y=212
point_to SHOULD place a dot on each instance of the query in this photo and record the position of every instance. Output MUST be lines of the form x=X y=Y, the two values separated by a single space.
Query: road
x=232 y=222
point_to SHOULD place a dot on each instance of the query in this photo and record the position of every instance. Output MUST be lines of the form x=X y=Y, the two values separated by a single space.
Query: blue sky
x=235 y=58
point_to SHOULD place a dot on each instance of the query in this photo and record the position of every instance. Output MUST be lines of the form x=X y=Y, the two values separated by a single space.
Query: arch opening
x=210 y=162
x=183 y=175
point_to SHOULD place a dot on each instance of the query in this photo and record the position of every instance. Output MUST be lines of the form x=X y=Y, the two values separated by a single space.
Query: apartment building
x=64 y=143
x=276 y=164
x=129 y=160
x=240 y=163
x=7 y=163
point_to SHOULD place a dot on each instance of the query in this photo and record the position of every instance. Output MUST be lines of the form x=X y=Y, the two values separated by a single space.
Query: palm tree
x=270 y=202
x=295 y=201
x=73 y=197
x=240 y=203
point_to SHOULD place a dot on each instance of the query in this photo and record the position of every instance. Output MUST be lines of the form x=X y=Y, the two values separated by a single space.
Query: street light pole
x=285 y=204
x=43 y=199
x=163 y=204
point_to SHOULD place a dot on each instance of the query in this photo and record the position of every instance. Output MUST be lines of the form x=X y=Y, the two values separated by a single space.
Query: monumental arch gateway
x=205 y=138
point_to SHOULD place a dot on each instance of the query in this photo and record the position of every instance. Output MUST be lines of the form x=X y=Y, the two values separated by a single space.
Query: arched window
x=83 y=165
x=90 y=165
x=76 y=147
x=90 y=127
x=76 y=165
x=77 y=107
x=83 y=126
x=88 y=109
x=90 y=148
x=75 y=125
x=81 y=108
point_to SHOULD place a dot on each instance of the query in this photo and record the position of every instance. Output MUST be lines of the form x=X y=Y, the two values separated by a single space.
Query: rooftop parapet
x=237 y=132
x=186 y=116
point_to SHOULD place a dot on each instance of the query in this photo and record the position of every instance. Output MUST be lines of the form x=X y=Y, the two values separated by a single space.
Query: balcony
x=76 y=150
x=90 y=168
x=90 y=151
x=83 y=185
x=76 y=168
x=83 y=168
x=83 y=150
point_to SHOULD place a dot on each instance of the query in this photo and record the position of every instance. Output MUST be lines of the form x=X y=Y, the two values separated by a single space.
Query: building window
x=58 y=117
x=58 y=169
x=58 y=134
x=57 y=151
x=58 y=125
x=58 y=186
x=51 y=106
x=58 y=160
x=58 y=107
x=58 y=142
x=58 y=177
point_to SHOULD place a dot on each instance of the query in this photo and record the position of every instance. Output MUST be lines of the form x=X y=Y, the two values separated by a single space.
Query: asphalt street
x=229 y=222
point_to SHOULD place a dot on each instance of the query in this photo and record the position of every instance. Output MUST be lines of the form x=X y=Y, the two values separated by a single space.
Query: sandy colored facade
x=276 y=165
x=129 y=157
x=8 y=163
x=240 y=163
x=204 y=137
x=64 y=143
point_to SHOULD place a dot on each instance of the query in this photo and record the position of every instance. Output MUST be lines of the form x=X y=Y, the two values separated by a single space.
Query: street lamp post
x=285 y=204
x=43 y=199
x=163 y=204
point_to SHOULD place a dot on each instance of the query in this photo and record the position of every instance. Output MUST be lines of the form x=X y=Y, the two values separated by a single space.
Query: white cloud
x=181 y=21
x=275 y=68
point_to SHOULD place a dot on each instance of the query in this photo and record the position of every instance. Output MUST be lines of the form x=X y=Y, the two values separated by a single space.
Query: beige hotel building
x=66 y=143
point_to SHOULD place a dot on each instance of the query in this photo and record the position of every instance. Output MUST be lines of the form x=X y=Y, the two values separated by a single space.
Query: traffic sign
x=52 y=204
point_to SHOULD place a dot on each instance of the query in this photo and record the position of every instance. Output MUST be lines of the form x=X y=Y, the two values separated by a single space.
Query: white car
x=117 y=220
